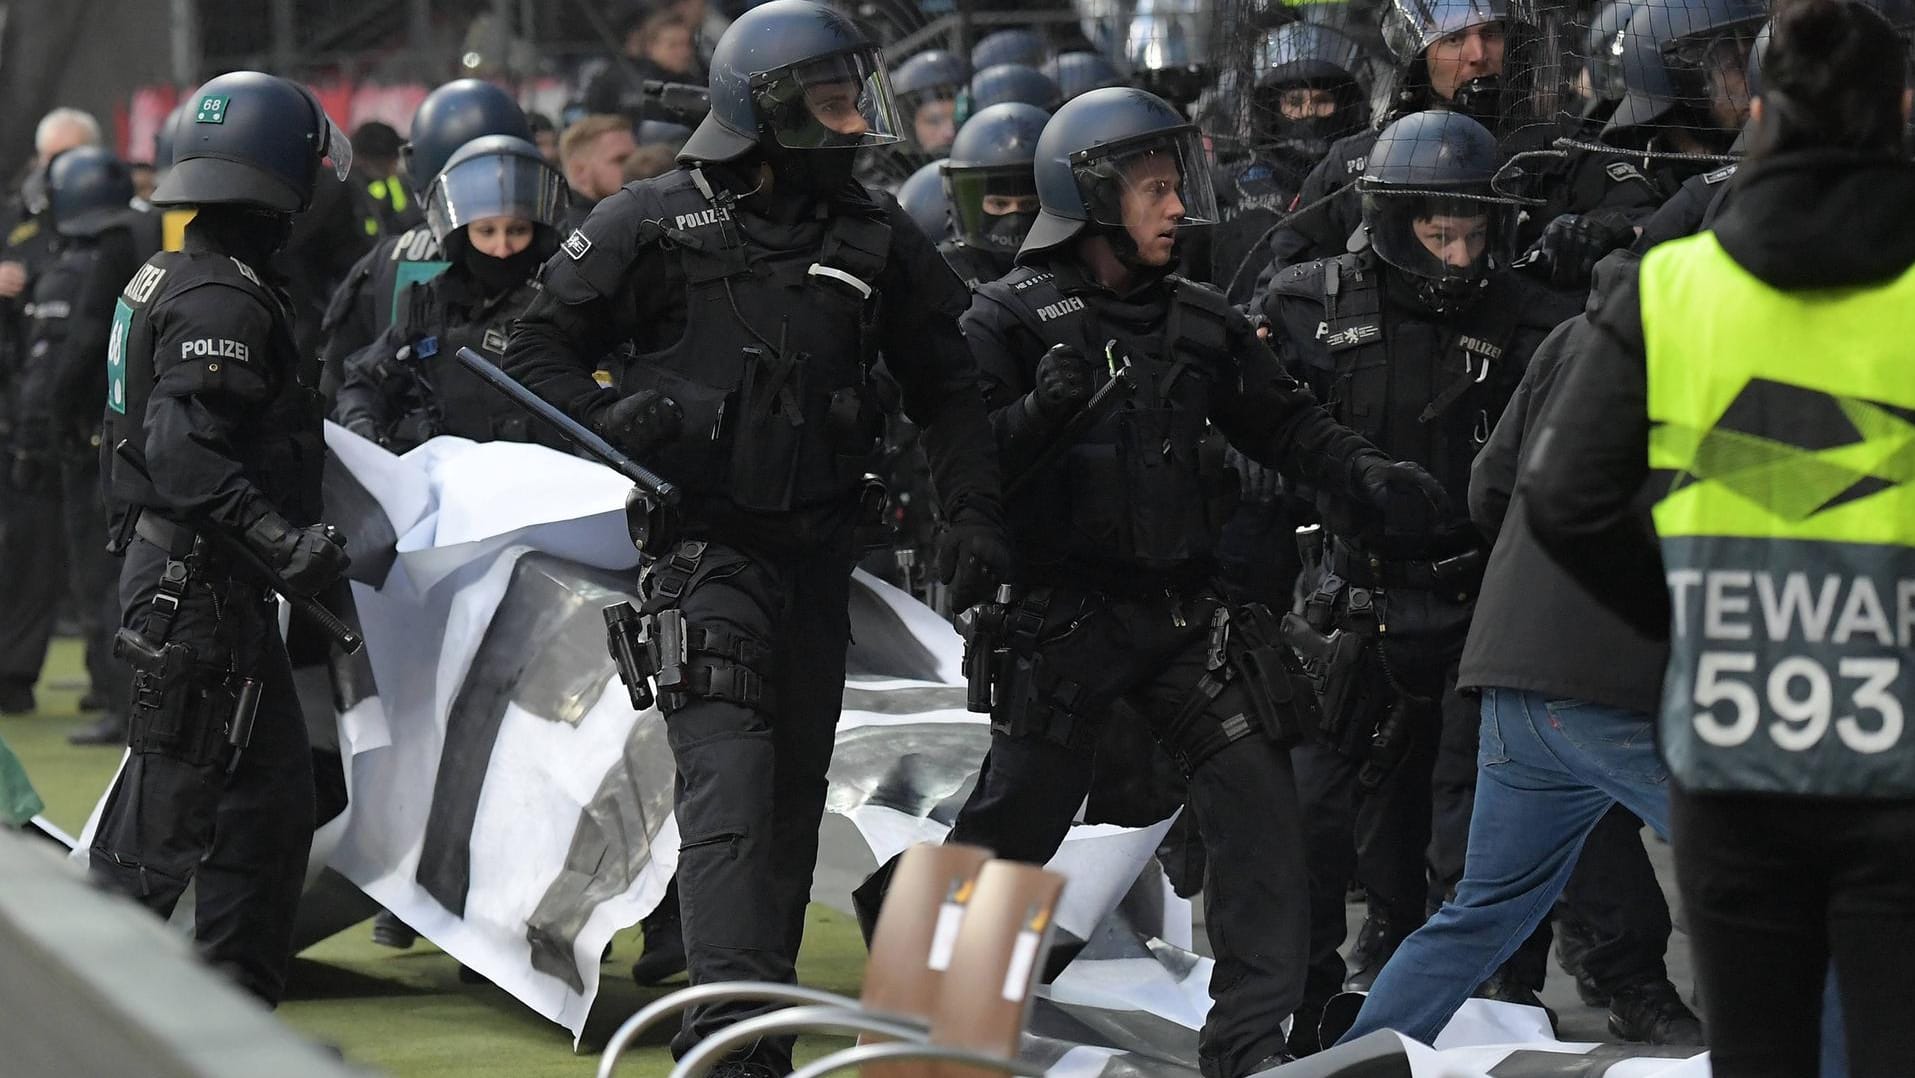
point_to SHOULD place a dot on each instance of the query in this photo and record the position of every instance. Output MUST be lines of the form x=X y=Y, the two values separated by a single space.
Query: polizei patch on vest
x=215 y=348
x=577 y=244
x=702 y=218
x=1479 y=346
x=1067 y=305
x=144 y=283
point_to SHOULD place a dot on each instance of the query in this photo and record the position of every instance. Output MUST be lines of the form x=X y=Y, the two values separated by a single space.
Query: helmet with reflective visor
x=1112 y=143
x=798 y=75
x=494 y=176
x=989 y=181
x=1429 y=208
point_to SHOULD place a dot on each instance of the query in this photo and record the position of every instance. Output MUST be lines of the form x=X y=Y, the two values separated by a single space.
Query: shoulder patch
x=577 y=245
x=145 y=282
x=1623 y=171
x=246 y=271
x=1719 y=175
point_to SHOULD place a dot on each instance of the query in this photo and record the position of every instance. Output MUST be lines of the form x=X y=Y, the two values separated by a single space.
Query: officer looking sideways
x=1116 y=525
x=203 y=378
x=1755 y=380
x=756 y=284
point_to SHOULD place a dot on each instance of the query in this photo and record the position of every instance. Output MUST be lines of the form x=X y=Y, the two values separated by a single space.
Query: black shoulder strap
x=1032 y=296
x=1199 y=323
x=858 y=245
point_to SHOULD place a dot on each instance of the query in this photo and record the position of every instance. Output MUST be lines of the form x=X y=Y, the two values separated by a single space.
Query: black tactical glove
x=1572 y=245
x=308 y=558
x=1411 y=500
x=641 y=422
x=1063 y=382
x=974 y=556
x=1259 y=485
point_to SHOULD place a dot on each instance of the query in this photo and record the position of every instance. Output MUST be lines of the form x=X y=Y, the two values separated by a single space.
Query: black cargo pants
x=752 y=738
x=172 y=819
x=1092 y=652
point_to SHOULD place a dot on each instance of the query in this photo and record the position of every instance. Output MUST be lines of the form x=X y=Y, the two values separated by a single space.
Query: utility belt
x=183 y=708
x=664 y=659
x=1365 y=709
x=1460 y=575
x=1009 y=676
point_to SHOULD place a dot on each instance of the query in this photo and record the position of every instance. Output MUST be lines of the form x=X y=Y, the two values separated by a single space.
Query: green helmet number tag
x=212 y=109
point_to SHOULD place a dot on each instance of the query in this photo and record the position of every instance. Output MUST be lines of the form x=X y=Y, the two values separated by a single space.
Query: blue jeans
x=1547 y=770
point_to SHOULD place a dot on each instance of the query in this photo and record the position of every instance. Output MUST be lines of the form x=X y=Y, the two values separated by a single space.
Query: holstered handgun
x=982 y=643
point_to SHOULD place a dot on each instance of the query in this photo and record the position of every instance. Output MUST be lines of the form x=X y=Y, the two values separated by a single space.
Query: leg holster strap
x=668 y=577
x=1193 y=735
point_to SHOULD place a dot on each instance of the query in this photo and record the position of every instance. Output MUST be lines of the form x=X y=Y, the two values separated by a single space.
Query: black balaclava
x=251 y=235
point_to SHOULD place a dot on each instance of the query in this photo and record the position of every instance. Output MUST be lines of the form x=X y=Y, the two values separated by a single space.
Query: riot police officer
x=992 y=190
x=1417 y=340
x=1012 y=45
x=362 y=308
x=1115 y=508
x=927 y=86
x=754 y=286
x=102 y=240
x=493 y=211
x=1305 y=97
x=203 y=380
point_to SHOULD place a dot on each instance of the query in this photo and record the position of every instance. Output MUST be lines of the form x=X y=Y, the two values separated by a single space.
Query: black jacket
x=1536 y=629
x=556 y=345
x=1823 y=219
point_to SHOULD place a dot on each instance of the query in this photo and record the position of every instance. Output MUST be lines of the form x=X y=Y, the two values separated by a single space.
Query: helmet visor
x=1152 y=179
x=1438 y=235
x=832 y=102
x=992 y=208
x=336 y=148
x=496 y=185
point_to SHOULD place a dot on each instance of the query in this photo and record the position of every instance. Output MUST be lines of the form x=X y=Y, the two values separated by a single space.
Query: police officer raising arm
x=1115 y=516
x=203 y=379
x=1756 y=377
x=755 y=286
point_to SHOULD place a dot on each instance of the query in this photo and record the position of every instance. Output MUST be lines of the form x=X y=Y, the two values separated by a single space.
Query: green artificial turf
x=406 y=1013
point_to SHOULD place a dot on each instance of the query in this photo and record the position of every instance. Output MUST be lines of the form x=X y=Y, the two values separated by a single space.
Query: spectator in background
x=658 y=45
x=379 y=191
x=145 y=177
x=592 y=154
x=545 y=135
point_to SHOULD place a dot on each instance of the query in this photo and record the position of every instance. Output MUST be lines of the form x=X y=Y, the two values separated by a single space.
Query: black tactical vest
x=771 y=371
x=1470 y=380
x=281 y=446
x=1144 y=488
x=433 y=331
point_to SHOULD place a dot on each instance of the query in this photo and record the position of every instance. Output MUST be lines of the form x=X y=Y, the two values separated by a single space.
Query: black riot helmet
x=165 y=137
x=989 y=181
x=1296 y=65
x=495 y=176
x=1684 y=68
x=255 y=140
x=1411 y=27
x=88 y=190
x=922 y=197
x=1013 y=46
x=450 y=117
x=1078 y=73
x=1006 y=83
x=1105 y=144
x=795 y=75
x=1429 y=209
x=1603 y=46
x=934 y=77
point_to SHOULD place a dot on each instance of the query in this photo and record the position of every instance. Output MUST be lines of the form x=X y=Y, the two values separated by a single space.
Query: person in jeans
x=1757 y=375
x=1568 y=695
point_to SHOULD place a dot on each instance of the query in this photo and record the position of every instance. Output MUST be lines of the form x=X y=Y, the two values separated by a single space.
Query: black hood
x=1821 y=219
